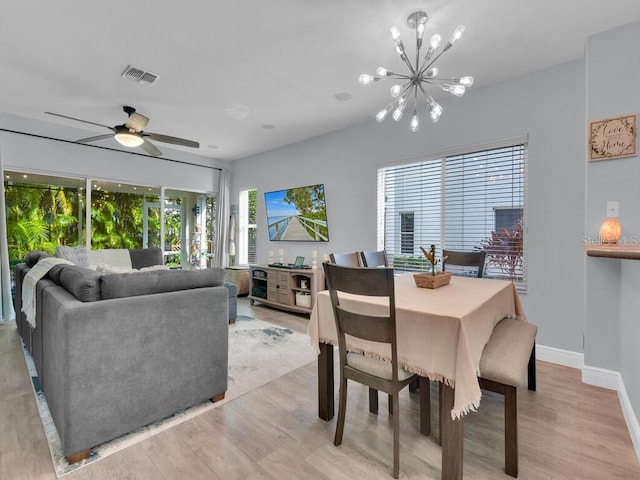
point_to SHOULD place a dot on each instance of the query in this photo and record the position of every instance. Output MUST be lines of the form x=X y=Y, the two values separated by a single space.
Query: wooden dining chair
x=345 y=259
x=374 y=259
x=375 y=373
x=464 y=261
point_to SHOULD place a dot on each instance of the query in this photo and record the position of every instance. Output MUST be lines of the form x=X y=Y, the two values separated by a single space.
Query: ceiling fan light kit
x=421 y=73
x=129 y=139
x=131 y=134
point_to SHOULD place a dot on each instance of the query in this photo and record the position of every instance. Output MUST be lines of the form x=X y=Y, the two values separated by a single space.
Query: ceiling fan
x=132 y=134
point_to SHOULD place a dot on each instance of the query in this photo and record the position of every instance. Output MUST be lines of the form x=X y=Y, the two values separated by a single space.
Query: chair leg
x=391 y=410
x=425 y=405
x=342 y=407
x=396 y=434
x=511 y=431
x=414 y=385
x=373 y=400
x=532 y=369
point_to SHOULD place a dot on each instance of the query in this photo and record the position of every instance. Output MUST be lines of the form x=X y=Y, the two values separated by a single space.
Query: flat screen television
x=297 y=214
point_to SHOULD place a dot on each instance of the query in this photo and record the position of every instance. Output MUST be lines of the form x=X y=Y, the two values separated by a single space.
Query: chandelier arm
x=400 y=77
x=426 y=67
x=439 y=81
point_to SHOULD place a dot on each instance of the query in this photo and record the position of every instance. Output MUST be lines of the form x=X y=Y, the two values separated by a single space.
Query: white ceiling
x=284 y=60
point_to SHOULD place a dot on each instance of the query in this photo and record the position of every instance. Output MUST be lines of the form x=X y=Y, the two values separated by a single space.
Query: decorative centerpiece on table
x=432 y=279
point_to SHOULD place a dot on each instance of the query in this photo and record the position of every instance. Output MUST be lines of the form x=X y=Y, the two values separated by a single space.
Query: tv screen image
x=297 y=214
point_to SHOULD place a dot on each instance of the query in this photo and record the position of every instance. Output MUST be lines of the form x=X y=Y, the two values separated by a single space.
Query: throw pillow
x=76 y=255
x=106 y=268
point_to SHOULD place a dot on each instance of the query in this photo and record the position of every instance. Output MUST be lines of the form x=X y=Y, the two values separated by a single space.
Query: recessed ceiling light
x=343 y=96
x=237 y=111
x=268 y=126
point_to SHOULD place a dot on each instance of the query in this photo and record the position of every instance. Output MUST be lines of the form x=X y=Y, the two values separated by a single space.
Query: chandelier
x=411 y=86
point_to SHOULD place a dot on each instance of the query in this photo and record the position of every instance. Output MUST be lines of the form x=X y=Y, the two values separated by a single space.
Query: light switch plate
x=613 y=208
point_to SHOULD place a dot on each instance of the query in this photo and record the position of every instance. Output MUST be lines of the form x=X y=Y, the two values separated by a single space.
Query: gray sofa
x=118 y=351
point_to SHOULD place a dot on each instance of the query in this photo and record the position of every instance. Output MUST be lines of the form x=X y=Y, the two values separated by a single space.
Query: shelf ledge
x=626 y=252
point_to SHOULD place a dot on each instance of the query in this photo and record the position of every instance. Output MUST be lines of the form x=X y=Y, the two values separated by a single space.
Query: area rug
x=259 y=352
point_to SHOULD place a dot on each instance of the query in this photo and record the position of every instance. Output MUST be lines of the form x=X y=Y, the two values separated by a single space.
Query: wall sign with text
x=613 y=138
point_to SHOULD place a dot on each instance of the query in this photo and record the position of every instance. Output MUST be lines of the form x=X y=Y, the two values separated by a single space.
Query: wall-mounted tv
x=297 y=214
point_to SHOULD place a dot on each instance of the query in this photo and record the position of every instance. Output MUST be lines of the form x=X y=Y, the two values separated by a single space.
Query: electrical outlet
x=613 y=208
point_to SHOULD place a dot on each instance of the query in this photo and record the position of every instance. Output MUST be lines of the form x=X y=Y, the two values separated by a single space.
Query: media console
x=289 y=289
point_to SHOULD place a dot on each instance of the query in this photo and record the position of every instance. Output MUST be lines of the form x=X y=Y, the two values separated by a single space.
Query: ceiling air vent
x=139 y=75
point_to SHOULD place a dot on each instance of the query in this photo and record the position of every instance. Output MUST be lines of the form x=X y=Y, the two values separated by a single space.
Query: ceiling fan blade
x=150 y=148
x=174 y=140
x=137 y=122
x=94 y=139
x=80 y=120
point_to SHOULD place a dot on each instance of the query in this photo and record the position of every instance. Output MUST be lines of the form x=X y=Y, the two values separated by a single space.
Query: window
x=247 y=227
x=406 y=233
x=44 y=211
x=462 y=201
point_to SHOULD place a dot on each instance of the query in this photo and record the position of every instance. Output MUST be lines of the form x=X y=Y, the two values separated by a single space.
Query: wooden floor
x=568 y=430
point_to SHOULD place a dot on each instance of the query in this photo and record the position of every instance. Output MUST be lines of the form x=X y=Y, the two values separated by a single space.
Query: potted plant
x=433 y=279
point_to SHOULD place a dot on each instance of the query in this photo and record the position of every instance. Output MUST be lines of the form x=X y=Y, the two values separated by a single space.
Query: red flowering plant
x=504 y=251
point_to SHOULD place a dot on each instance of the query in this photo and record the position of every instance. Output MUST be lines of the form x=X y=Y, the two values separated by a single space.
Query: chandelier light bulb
x=435 y=41
x=420 y=27
x=395 y=90
x=415 y=123
x=457 y=90
x=366 y=79
x=397 y=113
x=395 y=33
x=432 y=72
x=467 y=81
x=381 y=71
x=457 y=33
x=382 y=114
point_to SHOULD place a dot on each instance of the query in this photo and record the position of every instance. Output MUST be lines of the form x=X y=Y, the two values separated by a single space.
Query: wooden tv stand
x=288 y=289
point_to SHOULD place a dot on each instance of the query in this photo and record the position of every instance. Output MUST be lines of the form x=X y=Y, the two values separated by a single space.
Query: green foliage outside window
x=39 y=218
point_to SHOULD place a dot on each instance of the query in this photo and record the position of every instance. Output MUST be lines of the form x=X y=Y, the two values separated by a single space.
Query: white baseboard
x=629 y=416
x=598 y=377
x=559 y=357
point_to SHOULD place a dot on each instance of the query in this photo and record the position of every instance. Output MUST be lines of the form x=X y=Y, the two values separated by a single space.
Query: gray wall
x=547 y=105
x=612 y=327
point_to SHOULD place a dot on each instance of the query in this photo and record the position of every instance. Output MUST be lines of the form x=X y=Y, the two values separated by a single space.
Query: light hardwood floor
x=568 y=430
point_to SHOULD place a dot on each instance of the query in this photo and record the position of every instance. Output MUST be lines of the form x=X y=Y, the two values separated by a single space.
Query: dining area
x=468 y=335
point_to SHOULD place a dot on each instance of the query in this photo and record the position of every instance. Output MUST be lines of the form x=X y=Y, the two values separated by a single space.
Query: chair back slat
x=374 y=259
x=345 y=259
x=474 y=260
x=367 y=327
x=359 y=280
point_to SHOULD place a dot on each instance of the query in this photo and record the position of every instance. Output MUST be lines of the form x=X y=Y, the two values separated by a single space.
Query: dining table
x=441 y=334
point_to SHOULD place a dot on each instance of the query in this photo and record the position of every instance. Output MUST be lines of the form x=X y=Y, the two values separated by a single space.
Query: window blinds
x=466 y=201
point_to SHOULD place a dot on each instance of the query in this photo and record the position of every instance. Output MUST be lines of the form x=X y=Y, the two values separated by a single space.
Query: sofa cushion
x=83 y=283
x=34 y=257
x=118 y=285
x=146 y=257
x=76 y=255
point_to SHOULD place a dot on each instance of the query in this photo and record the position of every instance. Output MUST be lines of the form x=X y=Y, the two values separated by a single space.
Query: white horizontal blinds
x=412 y=212
x=464 y=202
x=484 y=205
